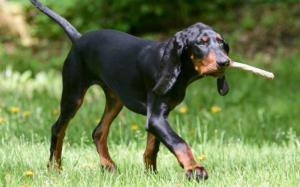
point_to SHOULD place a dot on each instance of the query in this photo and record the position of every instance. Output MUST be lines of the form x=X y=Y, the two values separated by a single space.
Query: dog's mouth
x=209 y=66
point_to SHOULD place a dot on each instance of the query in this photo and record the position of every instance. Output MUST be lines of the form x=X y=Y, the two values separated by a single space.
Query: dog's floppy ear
x=222 y=84
x=170 y=65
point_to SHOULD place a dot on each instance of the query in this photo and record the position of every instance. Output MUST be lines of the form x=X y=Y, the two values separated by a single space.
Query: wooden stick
x=267 y=74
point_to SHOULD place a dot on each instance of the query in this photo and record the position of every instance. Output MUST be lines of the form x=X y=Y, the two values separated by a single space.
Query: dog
x=148 y=77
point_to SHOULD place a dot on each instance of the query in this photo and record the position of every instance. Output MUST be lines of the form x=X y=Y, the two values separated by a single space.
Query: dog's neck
x=189 y=74
x=185 y=78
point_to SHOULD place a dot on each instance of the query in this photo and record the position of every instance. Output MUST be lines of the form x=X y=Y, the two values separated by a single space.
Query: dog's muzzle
x=223 y=63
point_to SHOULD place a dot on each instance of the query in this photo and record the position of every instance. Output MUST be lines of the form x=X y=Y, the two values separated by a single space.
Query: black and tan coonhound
x=148 y=77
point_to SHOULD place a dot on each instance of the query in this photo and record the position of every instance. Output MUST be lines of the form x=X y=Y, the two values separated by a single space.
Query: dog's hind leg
x=74 y=88
x=150 y=153
x=112 y=108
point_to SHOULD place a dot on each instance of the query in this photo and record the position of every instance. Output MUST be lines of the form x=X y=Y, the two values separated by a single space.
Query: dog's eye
x=220 y=43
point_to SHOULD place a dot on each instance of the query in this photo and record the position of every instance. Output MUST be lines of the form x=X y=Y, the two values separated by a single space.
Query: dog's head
x=205 y=49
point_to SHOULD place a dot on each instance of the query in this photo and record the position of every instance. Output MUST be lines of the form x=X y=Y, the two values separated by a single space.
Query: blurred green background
x=261 y=33
x=256 y=27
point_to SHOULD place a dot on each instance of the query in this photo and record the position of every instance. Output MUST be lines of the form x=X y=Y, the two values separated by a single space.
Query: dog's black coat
x=148 y=77
x=128 y=65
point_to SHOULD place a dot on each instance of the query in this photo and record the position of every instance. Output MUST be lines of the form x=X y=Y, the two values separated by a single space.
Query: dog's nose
x=223 y=63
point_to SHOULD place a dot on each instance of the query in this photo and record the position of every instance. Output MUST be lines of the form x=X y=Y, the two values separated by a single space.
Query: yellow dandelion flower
x=134 y=127
x=14 y=109
x=28 y=173
x=26 y=114
x=215 y=109
x=55 y=111
x=183 y=109
x=2 y=120
x=202 y=157
x=25 y=185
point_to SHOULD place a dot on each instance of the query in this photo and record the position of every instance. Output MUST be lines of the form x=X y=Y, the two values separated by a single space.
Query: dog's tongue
x=222 y=86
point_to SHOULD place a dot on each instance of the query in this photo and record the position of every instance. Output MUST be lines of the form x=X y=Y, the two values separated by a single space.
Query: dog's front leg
x=158 y=125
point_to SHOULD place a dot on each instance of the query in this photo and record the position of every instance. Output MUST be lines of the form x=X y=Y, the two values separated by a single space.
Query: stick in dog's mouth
x=266 y=74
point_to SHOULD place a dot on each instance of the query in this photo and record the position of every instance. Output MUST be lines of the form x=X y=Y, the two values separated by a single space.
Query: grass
x=233 y=164
x=249 y=138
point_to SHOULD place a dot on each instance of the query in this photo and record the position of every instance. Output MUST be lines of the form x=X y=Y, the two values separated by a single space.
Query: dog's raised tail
x=70 y=30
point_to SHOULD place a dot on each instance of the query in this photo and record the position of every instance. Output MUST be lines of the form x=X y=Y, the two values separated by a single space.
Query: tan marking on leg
x=58 y=149
x=101 y=144
x=151 y=151
x=185 y=157
x=56 y=163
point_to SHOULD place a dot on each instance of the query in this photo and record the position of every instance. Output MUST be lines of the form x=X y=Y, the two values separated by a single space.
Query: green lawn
x=233 y=164
x=249 y=138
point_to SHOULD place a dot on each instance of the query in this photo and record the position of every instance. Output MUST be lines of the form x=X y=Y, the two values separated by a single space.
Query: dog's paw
x=198 y=173
x=109 y=167
x=54 y=166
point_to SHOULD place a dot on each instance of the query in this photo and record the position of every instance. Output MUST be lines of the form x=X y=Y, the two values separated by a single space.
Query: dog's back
x=111 y=57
